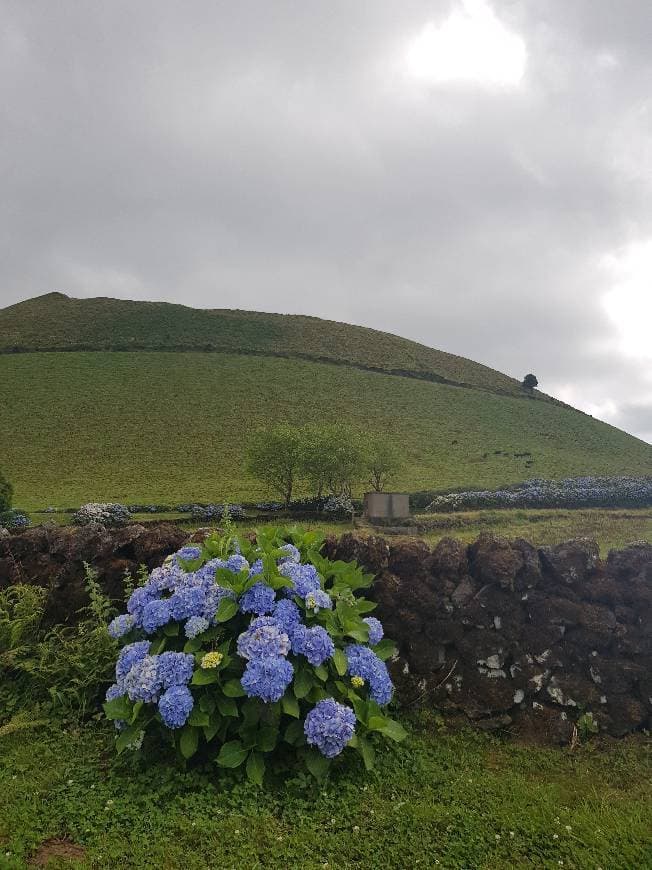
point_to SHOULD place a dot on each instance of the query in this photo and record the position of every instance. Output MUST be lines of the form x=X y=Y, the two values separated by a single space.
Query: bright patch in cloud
x=472 y=45
x=629 y=304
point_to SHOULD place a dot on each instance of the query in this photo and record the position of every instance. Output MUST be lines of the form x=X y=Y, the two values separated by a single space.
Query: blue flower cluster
x=304 y=578
x=314 y=643
x=155 y=678
x=263 y=638
x=329 y=726
x=375 y=630
x=538 y=493
x=267 y=678
x=260 y=599
x=363 y=662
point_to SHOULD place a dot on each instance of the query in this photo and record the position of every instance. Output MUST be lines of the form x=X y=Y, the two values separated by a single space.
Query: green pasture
x=172 y=427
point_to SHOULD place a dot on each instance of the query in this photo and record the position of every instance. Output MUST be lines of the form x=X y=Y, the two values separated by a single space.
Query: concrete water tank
x=386 y=505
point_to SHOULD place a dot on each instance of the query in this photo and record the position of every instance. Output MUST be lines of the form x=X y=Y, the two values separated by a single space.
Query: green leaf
x=366 y=750
x=231 y=754
x=256 y=768
x=171 y=629
x=158 y=646
x=385 y=649
x=198 y=718
x=211 y=730
x=341 y=663
x=118 y=708
x=233 y=689
x=290 y=705
x=189 y=741
x=251 y=711
x=227 y=707
x=294 y=733
x=394 y=731
x=302 y=683
x=377 y=723
x=138 y=706
x=226 y=609
x=363 y=605
x=193 y=645
x=359 y=633
x=267 y=737
x=204 y=677
x=317 y=765
x=126 y=737
x=207 y=704
x=321 y=672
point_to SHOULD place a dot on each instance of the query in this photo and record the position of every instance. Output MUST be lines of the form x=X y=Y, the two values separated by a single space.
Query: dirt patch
x=62 y=850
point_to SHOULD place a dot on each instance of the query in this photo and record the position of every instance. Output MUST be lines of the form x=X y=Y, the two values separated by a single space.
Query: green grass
x=460 y=799
x=172 y=427
x=56 y=322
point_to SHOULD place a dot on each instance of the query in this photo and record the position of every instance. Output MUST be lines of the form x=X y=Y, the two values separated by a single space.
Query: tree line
x=329 y=458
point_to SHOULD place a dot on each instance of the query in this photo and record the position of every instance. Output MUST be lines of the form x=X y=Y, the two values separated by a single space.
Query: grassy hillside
x=56 y=322
x=172 y=426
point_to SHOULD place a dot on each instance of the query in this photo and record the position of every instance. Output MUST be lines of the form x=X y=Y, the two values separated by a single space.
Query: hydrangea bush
x=253 y=648
x=102 y=514
x=13 y=519
x=570 y=493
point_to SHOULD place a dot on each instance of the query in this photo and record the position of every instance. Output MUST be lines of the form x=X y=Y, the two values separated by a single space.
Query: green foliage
x=247 y=730
x=440 y=799
x=274 y=457
x=6 y=493
x=204 y=460
x=530 y=382
x=382 y=461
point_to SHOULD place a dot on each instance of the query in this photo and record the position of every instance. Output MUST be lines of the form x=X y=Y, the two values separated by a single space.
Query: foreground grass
x=173 y=427
x=459 y=800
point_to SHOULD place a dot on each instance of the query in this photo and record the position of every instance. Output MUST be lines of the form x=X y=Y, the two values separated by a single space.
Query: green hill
x=171 y=424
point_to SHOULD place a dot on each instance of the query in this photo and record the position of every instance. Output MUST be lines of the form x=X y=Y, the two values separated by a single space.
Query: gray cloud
x=279 y=157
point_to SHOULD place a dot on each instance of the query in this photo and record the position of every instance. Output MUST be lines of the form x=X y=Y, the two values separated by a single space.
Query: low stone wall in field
x=499 y=633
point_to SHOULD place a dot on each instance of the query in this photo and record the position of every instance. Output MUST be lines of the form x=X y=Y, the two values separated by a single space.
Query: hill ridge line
x=410 y=374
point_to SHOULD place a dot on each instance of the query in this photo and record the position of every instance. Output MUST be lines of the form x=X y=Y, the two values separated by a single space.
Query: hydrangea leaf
x=118 y=708
x=290 y=705
x=294 y=733
x=267 y=738
x=317 y=765
x=232 y=754
x=394 y=730
x=171 y=629
x=256 y=768
x=321 y=672
x=193 y=645
x=233 y=689
x=385 y=649
x=198 y=718
x=227 y=707
x=363 y=605
x=366 y=750
x=207 y=704
x=189 y=741
x=204 y=677
x=303 y=683
x=126 y=737
x=227 y=608
x=341 y=664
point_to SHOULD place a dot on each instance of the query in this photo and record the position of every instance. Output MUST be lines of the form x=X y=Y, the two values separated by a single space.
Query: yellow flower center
x=212 y=660
x=357 y=682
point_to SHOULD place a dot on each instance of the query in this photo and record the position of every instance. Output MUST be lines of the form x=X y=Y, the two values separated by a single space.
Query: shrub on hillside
x=338 y=506
x=107 y=515
x=256 y=648
x=208 y=512
x=570 y=493
x=14 y=520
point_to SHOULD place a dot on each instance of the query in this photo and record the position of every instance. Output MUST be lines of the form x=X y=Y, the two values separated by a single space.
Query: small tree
x=382 y=460
x=274 y=457
x=6 y=493
x=530 y=382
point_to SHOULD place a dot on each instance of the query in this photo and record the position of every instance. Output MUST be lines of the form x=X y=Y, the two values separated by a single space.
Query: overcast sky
x=476 y=176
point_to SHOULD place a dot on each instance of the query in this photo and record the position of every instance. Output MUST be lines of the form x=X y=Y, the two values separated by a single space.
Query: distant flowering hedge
x=257 y=649
x=570 y=493
x=13 y=519
x=102 y=514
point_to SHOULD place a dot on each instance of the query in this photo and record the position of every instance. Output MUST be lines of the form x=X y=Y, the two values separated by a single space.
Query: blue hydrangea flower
x=375 y=629
x=364 y=663
x=187 y=554
x=142 y=682
x=263 y=638
x=213 y=597
x=128 y=657
x=175 y=668
x=259 y=599
x=287 y=615
x=163 y=579
x=304 y=578
x=187 y=602
x=314 y=643
x=117 y=690
x=318 y=600
x=155 y=614
x=293 y=555
x=256 y=569
x=139 y=599
x=236 y=563
x=175 y=706
x=121 y=625
x=329 y=726
x=267 y=678
x=195 y=625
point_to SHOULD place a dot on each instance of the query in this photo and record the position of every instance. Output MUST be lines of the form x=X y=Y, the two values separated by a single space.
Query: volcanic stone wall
x=510 y=637
x=499 y=633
